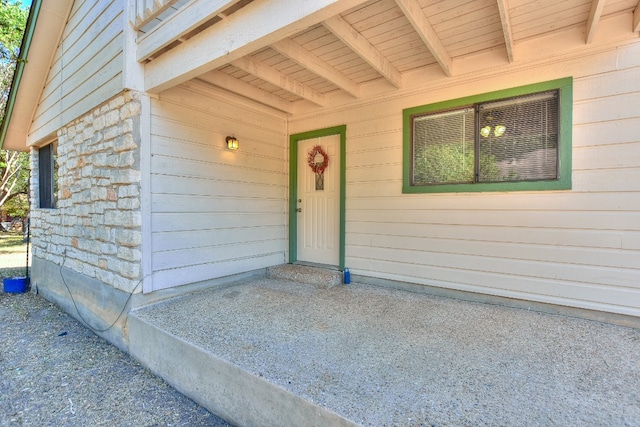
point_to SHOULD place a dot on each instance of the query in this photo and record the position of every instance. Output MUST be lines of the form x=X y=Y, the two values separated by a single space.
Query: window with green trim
x=518 y=139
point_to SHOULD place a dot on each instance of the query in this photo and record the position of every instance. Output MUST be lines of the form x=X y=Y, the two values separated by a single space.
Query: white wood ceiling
x=377 y=40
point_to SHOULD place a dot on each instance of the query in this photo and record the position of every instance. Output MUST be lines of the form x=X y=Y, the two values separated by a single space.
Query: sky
x=24 y=3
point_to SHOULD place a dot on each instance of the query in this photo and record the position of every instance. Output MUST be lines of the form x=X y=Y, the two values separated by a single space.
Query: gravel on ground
x=56 y=372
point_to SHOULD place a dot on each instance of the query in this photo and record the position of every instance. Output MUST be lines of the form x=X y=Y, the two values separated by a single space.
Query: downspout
x=21 y=63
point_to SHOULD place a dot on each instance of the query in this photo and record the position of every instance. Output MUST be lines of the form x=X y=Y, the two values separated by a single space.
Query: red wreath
x=318 y=168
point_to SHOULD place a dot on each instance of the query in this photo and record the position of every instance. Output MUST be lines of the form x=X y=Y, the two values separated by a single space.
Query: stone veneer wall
x=95 y=229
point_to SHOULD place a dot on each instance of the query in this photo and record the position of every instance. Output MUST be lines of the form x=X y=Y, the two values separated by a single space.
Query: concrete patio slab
x=278 y=352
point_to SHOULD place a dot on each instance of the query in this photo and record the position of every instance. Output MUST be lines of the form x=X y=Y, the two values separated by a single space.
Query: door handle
x=299 y=209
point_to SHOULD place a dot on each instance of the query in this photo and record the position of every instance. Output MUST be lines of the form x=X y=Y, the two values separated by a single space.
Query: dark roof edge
x=22 y=61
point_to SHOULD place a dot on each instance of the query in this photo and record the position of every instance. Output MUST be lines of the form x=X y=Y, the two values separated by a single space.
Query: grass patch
x=11 y=272
x=12 y=242
x=10 y=245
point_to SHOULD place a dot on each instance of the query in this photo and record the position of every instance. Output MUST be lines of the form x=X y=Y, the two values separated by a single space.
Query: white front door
x=318 y=202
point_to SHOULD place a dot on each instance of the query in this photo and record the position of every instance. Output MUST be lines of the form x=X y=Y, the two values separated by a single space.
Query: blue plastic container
x=347 y=276
x=15 y=285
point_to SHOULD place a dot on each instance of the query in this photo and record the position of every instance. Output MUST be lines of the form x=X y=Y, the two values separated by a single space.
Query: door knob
x=299 y=209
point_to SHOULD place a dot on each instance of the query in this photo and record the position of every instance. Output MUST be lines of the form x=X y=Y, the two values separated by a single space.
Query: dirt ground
x=54 y=371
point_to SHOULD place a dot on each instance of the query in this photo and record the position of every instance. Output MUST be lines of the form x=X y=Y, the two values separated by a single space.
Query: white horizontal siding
x=579 y=247
x=215 y=212
x=87 y=67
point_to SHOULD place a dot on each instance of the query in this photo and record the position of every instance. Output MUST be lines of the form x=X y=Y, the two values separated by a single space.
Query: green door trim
x=293 y=187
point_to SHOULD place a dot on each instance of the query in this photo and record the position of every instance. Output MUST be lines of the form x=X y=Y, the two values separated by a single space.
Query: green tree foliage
x=13 y=19
x=14 y=166
x=14 y=177
x=451 y=163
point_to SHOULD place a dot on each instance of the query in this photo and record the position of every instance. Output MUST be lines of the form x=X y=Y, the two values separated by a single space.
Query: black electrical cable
x=82 y=319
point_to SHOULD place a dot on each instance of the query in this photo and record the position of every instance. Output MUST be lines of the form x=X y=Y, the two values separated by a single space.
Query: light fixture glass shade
x=232 y=143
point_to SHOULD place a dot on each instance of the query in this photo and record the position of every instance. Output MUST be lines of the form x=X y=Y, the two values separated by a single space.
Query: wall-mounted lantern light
x=232 y=143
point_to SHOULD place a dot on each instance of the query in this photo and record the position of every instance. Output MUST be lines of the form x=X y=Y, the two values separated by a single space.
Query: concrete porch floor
x=282 y=353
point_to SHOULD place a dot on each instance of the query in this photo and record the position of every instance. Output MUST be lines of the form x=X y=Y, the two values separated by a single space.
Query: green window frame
x=466 y=114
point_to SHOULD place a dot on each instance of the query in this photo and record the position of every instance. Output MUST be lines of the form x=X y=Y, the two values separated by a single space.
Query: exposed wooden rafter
x=505 y=20
x=636 y=18
x=225 y=81
x=311 y=62
x=594 y=18
x=361 y=46
x=276 y=78
x=148 y=10
x=420 y=23
x=240 y=34
x=185 y=20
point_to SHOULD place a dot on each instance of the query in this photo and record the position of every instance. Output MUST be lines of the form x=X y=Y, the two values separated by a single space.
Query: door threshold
x=317 y=265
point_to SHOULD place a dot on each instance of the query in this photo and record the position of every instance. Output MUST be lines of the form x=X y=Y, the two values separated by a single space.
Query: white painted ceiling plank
x=361 y=46
x=225 y=81
x=594 y=17
x=316 y=65
x=253 y=27
x=503 y=8
x=636 y=18
x=185 y=20
x=276 y=78
x=421 y=24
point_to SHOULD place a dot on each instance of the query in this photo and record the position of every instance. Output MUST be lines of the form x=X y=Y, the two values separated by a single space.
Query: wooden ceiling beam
x=276 y=78
x=505 y=20
x=636 y=18
x=594 y=18
x=149 y=10
x=256 y=25
x=225 y=81
x=421 y=24
x=181 y=23
x=311 y=62
x=361 y=46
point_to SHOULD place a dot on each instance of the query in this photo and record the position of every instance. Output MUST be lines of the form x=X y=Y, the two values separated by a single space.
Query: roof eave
x=44 y=28
x=20 y=65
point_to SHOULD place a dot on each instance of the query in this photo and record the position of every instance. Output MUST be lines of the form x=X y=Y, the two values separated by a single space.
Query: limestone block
x=105 y=234
x=112 y=132
x=127 y=219
x=126 y=142
x=132 y=190
x=98 y=193
x=130 y=270
x=116 y=102
x=98 y=123
x=126 y=159
x=97 y=223
x=128 y=238
x=129 y=204
x=108 y=249
x=129 y=254
x=126 y=176
x=111 y=118
x=130 y=109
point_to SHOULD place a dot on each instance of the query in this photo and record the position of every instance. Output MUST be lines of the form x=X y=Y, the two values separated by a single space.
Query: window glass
x=518 y=139
x=47 y=176
x=444 y=147
x=514 y=139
